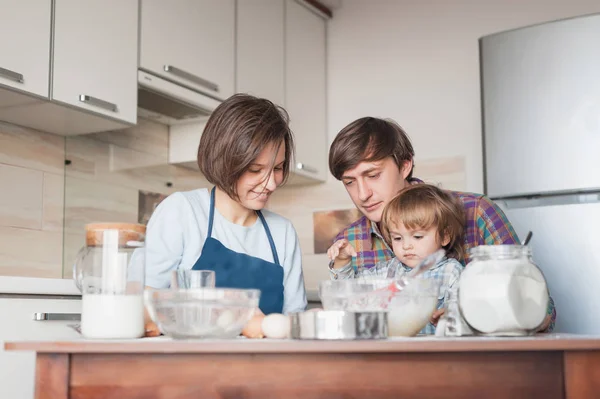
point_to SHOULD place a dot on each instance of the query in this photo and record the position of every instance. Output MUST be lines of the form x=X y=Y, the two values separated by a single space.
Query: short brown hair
x=369 y=139
x=420 y=206
x=235 y=134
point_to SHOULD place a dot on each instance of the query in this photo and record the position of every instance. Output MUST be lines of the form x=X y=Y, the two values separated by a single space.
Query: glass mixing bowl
x=355 y=295
x=201 y=312
x=409 y=310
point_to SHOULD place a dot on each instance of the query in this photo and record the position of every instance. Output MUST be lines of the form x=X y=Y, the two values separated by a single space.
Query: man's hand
x=341 y=252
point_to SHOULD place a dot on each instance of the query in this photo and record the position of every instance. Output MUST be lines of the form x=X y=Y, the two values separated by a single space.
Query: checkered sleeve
x=494 y=227
x=343 y=273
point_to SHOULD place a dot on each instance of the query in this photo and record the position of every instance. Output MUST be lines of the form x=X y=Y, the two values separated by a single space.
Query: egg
x=276 y=326
x=253 y=329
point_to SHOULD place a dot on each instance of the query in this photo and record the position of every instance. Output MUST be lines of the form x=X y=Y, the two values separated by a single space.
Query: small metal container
x=339 y=325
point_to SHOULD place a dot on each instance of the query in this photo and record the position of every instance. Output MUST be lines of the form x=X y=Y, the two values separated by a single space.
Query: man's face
x=371 y=185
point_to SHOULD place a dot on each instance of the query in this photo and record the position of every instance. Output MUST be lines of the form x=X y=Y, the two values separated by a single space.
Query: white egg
x=276 y=326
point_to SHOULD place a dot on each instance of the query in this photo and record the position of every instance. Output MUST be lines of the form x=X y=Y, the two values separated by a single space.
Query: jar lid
x=128 y=232
x=501 y=251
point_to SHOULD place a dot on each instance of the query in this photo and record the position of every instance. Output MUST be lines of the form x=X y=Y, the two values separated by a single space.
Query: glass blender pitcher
x=109 y=272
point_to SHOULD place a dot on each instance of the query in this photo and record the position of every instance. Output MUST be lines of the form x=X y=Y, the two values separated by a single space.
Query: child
x=417 y=222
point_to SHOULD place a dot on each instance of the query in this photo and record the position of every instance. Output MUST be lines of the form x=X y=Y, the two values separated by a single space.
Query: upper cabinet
x=260 y=49
x=305 y=87
x=281 y=56
x=191 y=42
x=70 y=70
x=95 y=56
x=24 y=49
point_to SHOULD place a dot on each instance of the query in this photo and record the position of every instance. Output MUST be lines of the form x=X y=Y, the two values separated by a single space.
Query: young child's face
x=412 y=246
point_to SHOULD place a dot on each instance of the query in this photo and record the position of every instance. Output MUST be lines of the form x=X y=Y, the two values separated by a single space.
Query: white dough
x=407 y=318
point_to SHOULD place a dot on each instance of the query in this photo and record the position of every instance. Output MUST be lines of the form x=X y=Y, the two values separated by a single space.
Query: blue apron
x=238 y=270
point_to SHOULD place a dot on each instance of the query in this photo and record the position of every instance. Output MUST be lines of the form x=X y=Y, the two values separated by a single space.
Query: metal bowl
x=202 y=312
x=339 y=325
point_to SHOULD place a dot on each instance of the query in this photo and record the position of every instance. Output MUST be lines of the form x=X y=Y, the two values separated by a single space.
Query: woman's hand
x=151 y=329
x=341 y=252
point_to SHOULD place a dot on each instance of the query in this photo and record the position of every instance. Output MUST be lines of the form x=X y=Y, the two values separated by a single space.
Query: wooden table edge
x=477 y=344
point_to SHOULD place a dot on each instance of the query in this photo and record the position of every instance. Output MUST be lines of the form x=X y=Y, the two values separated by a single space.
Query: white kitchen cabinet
x=305 y=86
x=17 y=369
x=24 y=49
x=191 y=42
x=95 y=56
x=260 y=61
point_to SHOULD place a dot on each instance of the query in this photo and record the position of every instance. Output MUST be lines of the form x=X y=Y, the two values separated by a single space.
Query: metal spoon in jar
x=528 y=238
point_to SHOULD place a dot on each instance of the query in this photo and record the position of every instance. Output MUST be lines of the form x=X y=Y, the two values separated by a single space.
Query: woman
x=245 y=151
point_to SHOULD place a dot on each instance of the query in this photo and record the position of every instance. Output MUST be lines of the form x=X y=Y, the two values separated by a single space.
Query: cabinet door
x=305 y=88
x=190 y=42
x=18 y=368
x=25 y=45
x=260 y=49
x=95 y=56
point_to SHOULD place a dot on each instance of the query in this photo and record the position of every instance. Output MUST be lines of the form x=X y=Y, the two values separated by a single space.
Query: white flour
x=407 y=318
x=504 y=297
x=112 y=316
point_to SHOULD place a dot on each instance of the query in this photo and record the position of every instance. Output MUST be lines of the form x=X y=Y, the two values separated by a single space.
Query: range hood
x=171 y=103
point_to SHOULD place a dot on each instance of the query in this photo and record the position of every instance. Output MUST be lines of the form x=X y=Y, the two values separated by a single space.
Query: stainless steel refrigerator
x=541 y=133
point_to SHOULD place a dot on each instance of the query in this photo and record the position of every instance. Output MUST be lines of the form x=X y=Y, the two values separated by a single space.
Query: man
x=374 y=159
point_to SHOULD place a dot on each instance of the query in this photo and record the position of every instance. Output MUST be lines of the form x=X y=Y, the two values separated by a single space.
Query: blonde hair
x=421 y=206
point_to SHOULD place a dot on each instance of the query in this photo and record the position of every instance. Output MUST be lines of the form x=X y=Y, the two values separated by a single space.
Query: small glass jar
x=109 y=272
x=502 y=292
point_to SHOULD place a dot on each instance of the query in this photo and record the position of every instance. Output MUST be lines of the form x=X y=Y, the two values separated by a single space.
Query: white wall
x=416 y=61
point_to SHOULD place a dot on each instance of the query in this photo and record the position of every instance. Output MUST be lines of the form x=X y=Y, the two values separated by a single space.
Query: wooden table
x=546 y=366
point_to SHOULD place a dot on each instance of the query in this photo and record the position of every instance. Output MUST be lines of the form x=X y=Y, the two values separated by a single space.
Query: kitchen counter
x=37 y=286
x=549 y=366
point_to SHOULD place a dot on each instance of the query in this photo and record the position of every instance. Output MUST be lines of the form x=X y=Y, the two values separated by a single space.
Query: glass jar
x=451 y=323
x=502 y=292
x=109 y=272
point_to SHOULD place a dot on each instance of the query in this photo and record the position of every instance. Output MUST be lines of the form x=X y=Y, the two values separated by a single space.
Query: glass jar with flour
x=502 y=292
x=109 y=271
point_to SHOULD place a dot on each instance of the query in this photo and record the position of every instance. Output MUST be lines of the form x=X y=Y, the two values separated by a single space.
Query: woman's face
x=262 y=177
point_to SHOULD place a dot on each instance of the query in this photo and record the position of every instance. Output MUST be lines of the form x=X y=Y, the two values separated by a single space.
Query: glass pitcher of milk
x=109 y=272
x=502 y=292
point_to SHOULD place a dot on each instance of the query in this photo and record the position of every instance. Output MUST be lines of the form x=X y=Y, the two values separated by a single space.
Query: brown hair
x=235 y=134
x=420 y=206
x=369 y=139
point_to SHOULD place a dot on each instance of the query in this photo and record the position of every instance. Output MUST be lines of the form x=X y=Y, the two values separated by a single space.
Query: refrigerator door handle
x=549 y=200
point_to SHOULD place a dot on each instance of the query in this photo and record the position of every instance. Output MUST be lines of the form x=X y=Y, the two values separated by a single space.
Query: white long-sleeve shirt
x=178 y=229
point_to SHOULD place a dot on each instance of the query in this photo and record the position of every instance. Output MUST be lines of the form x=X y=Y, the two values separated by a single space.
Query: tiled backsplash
x=102 y=183
x=31 y=202
x=106 y=172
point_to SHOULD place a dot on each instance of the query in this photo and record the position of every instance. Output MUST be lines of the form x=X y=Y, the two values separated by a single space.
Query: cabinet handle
x=303 y=166
x=57 y=316
x=97 y=102
x=191 y=77
x=11 y=75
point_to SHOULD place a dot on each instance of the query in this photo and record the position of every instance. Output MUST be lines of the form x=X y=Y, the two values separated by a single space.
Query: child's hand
x=435 y=317
x=341 y=252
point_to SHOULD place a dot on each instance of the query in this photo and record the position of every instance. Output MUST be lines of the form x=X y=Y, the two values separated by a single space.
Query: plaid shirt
x=486 y=224
x=447 y=271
